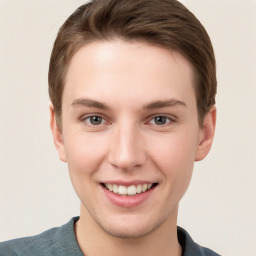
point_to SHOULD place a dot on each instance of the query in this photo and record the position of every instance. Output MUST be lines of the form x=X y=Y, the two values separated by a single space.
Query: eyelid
x=86 y=116
x=172 y=118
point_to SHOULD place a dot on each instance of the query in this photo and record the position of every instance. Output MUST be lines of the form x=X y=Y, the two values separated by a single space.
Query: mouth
x=131 y=190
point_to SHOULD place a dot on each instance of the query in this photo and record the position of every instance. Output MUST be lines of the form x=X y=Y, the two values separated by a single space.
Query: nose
x=127 y=149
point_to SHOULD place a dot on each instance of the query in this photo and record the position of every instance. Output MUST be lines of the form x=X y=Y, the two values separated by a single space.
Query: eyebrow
x=164 y=103
x=89 y=103
x=152 y=105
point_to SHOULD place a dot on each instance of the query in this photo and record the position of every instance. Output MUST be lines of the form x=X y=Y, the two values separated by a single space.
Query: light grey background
x=219 y=209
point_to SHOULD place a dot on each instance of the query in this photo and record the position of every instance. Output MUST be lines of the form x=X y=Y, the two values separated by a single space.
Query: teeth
x=122 y=190
x=115 y=189
x=131 y=190
x=128 y=190
x=144 y=187
x=139 y=189
x=109 y=187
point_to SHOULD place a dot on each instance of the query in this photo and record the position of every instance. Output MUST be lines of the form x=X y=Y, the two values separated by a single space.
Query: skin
x=128 y=143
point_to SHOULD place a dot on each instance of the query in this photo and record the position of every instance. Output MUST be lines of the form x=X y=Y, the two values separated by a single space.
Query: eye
x=95 y=120
x=160 y=120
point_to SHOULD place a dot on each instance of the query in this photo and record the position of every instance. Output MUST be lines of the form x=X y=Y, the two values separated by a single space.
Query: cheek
x=175 y=150
x=174 y=156
x=84 y=152
x=84 y=156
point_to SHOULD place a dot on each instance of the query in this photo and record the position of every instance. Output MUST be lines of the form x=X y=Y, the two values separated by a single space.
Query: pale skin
x=129 y=116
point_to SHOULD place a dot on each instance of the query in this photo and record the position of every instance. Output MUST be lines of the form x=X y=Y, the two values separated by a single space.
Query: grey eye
x=95 y=120
x=161 y=120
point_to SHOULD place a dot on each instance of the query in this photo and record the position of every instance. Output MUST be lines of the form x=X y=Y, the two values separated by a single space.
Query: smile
x=128 y=190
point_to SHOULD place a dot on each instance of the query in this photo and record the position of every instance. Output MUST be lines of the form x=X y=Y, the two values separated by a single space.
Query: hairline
x=116 y=37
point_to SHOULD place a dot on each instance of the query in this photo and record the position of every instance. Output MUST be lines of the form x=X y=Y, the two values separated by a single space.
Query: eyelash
x=165 y=117
x=105 y=122
x=84 y=118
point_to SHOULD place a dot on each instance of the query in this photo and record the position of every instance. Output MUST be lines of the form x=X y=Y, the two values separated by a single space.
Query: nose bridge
x=127 y=149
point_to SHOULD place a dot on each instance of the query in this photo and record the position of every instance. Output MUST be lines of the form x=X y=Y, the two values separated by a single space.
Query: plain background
x=219 y=209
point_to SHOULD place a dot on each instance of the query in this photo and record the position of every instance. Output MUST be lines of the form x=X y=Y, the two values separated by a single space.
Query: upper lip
x=127 y=183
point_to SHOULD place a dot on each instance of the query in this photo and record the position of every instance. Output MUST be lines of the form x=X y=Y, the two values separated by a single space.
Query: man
x=132 y=86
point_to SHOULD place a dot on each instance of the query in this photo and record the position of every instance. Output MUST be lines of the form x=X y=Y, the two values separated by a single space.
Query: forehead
x=128 y=71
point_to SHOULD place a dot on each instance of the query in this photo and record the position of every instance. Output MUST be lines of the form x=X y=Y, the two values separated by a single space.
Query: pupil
x=160 y=120
x=95 y=120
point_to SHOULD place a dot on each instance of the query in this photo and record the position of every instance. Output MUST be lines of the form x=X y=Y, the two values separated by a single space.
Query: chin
x=128 y=232
x=130 y=228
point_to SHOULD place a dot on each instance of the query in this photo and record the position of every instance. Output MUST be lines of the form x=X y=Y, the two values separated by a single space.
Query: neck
x=93 y=240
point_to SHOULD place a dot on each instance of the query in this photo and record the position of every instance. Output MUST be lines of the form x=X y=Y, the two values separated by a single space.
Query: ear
x=206 y=135
x=57 y=135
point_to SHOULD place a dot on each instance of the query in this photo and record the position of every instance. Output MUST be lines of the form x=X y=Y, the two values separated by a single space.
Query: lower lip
x=128 y=201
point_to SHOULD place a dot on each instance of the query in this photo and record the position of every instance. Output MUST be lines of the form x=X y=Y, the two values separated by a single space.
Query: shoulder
x=30 y=245
x=55 y=241
x=190 y=248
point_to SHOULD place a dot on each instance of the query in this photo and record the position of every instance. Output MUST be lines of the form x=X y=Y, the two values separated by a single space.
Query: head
x=165 y=23
x=132 y=85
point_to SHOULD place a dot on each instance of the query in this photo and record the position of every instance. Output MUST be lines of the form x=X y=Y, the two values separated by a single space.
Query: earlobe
x=57 y=135
x=206 y=135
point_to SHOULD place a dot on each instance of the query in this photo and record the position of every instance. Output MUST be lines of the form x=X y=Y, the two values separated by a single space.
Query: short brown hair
x=164 y=23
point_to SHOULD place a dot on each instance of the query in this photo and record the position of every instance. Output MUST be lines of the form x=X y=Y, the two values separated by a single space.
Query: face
x=130 y=134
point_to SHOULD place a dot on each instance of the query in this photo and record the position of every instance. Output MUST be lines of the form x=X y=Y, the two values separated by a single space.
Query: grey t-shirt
x=62 y=241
